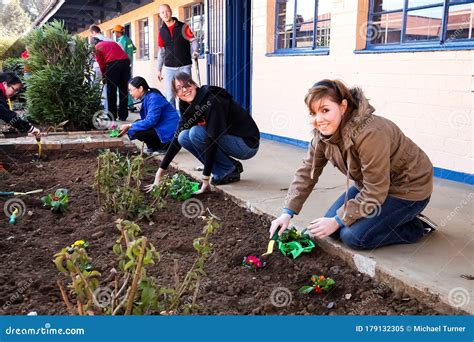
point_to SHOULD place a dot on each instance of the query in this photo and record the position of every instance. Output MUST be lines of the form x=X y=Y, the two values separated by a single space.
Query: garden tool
x=40 y=145
x=13 y=216
x=10 y=104
x=198 y=74
x=14 y=193
x=271 y=244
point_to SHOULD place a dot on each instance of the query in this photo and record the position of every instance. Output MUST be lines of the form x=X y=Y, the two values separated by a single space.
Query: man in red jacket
x=115 y=67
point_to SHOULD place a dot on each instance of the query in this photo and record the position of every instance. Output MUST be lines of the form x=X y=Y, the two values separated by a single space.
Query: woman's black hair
x=184 y=78
x=10 y=77
x=138 y=82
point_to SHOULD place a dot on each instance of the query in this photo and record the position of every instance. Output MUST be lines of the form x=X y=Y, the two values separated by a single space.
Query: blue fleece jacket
x=156 y=113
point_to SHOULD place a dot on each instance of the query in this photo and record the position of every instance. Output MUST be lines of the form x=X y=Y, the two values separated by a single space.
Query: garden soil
x=28 y=276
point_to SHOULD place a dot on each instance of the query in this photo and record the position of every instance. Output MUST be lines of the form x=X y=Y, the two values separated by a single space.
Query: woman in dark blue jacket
x=159 y=120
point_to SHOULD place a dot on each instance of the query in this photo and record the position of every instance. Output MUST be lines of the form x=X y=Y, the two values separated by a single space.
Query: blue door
x=229 y=47
x=238 y=58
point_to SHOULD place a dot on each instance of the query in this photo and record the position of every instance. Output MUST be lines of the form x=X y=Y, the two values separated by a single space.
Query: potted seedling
x=58 y=201
x=320 y=284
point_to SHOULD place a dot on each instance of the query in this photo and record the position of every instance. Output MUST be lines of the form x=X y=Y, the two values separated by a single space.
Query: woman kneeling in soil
x=159 y=119
x=393 y=176
x=215 y=129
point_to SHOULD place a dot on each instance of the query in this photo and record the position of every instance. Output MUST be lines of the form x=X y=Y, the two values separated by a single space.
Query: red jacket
x=106 y=52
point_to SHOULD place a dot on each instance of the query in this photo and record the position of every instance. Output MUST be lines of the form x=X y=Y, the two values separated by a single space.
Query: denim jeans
x=394 y=223
x=168 y=74
x=194 y=140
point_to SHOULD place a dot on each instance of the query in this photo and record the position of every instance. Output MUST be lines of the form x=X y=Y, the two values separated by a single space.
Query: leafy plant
x=14 y=64
x=118 y=182
x=182 y=188
x=58 y=202
x=320 y=284
x=61 y=86
x=293 y=243
x=76 y=263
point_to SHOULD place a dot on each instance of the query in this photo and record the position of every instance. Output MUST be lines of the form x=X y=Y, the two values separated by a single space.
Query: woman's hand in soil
x=36 y=132
x=124 y=129
x=205 y=187
x=158 y=176
x=323 y=227
x=283 y=221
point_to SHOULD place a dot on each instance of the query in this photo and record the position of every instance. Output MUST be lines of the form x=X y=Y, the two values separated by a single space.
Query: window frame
x=441 y=44
x=190 y=7
x=142 y=44
x=314 y=49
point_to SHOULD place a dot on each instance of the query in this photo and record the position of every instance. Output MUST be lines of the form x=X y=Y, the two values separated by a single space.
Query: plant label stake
x=271 y=244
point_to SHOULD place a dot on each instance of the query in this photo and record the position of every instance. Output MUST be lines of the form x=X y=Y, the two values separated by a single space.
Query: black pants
x=117 y=74
x=151 y=139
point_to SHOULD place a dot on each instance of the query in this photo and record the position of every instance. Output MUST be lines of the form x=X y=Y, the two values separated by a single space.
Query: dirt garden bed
x=28 y=275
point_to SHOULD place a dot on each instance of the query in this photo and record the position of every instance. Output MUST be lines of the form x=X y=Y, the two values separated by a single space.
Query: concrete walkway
x=434 y=268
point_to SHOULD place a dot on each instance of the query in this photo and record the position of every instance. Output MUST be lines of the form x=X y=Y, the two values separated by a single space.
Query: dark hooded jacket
x=216 y=110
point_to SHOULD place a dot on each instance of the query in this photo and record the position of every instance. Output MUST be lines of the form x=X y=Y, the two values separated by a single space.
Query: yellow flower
x=78 y=243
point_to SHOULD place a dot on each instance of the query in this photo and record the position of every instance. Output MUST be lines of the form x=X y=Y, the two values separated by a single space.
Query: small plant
x=253 y=263
x=182 y=188
x=58 y=201
x=114 y=132
x=320 y=284
x=118 y=182
x=75 y=262
x=292 y=243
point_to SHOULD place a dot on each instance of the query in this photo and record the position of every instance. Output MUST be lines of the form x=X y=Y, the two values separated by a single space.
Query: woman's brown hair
x=335 y=90
x=184 y=78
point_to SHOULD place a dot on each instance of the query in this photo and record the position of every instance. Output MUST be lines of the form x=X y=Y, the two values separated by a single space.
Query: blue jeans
x=395 y=223
x=168 y=74
x=194 y=140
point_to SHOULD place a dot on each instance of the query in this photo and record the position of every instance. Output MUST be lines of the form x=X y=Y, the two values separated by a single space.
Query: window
x=194 y=17
x=144 y=39
x=302 y=24
x=426 y=22
x=157 y=22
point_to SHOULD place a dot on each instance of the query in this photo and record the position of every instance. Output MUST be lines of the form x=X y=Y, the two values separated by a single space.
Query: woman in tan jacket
x=393 y=177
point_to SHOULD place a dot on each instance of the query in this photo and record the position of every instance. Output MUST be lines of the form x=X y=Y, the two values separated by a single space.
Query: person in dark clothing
x=177 y=45
x=215 y=129
x=115 y=67
x=159 y=119
x=10 y=85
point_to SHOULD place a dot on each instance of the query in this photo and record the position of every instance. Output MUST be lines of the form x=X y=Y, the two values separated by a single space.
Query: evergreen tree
x=61 y=86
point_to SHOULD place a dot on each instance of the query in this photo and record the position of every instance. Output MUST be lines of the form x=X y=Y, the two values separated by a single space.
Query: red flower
x=253 y=260
x=55 y=198
x=317 y=289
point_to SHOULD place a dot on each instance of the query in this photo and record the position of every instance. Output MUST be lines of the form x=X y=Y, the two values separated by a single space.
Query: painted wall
x=429 y=95
x=147 y=68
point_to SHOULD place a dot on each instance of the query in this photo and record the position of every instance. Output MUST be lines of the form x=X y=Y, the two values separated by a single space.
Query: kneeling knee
x=350 y=239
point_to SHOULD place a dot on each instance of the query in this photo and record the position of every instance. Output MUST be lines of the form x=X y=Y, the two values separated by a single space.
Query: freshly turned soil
x=28 y=276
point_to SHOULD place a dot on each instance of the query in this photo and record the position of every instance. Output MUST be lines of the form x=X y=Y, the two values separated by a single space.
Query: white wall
x=429 y=95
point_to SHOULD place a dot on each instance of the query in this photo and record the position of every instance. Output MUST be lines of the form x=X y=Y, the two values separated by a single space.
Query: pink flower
x=253 y=260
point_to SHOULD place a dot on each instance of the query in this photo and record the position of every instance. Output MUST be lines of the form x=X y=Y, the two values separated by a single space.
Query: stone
x=331 y=305
x=98 y=234
x=348 y=296
x=334 y=269
x=266 y=278
x=231 y=241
